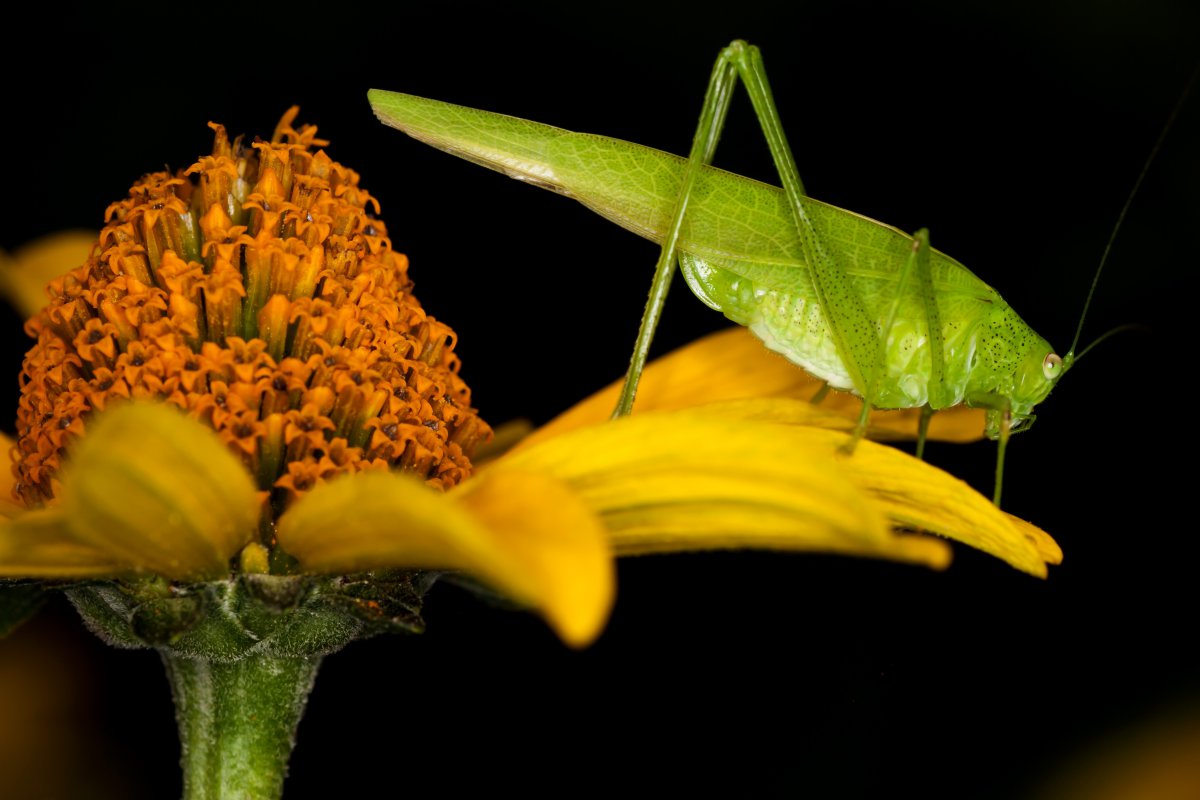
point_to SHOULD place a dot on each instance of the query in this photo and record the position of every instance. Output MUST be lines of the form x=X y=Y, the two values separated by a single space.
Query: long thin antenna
x=1069 y=359
x=1126 y=328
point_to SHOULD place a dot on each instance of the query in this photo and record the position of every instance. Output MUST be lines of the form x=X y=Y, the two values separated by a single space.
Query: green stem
x=237 y=722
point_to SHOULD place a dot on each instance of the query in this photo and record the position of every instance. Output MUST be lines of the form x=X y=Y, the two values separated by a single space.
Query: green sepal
x=387 y=601
x=276 y=593
x=282 y=616
x=19 y=602
x=158 y=622
x=107 y=611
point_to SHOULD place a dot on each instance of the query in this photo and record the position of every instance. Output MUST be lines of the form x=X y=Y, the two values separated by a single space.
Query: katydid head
x=1034 y=374
x=1012 y=370
x=1037 y=372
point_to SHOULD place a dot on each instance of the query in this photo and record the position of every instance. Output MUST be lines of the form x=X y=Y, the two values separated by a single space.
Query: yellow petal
x=523 y=535
x=556 y=538
x=1046 y=547
x=734 y=364
x=374 y=520
x=665 y=482
x=39 y=544
x=912 y=493
x=158 y=491
x=915 y=494
x=958 y=424
x=789 y=411
x=24 y=275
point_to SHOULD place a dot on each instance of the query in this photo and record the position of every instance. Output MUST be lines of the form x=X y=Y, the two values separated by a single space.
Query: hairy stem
x=237 y=722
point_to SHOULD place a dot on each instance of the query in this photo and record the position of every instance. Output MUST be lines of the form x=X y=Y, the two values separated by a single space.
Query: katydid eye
x=1051 y=366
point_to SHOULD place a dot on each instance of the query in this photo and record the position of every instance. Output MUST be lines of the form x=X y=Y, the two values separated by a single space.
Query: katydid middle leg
x=938 y=393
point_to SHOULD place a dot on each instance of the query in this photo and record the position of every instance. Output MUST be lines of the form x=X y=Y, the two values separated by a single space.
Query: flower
x=258 y=293
x=242 y=440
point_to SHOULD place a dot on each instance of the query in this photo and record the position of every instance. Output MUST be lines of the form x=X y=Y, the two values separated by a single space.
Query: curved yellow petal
x=39 y=544
x=943 y=504
x=917 y=495
x=557 y=538
x=523 y=535
x=959 y=424
x=159 y=492
x=374 y=520
x=1046 y=547
x=24 y=275
x=734 y=364
x=665 y=482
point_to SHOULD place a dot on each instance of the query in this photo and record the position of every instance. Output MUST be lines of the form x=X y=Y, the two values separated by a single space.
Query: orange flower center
x=257 y=292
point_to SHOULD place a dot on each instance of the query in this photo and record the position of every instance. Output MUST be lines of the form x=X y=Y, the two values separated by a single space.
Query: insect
x=859 y=304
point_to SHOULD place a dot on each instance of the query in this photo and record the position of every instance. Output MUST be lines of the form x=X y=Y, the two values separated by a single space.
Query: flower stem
x=237 y=722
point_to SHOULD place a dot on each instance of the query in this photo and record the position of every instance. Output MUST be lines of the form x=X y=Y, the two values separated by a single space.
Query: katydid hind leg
x=712 y=119
x=740 y=60
x=852 y=328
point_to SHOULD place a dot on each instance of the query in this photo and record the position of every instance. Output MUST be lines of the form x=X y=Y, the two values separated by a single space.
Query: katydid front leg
x=939 y=394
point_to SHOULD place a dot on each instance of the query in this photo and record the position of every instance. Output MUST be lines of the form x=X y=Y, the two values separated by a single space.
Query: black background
x=1013 y=131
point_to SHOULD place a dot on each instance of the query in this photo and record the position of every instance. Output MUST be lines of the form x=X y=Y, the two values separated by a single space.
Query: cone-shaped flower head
x=257 y=291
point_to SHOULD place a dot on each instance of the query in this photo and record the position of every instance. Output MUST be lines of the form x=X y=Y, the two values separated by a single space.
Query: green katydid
x=857 y=303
